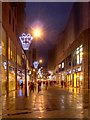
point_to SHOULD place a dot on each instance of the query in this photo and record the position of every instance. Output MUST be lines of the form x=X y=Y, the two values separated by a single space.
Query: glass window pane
x=80 y=46
x=81 y=49
x=3 y=42
x=81 y=57
x=78 y=59
x=9 y=49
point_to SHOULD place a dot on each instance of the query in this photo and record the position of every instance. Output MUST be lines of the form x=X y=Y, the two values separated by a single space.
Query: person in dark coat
x=39 y=86
x=46 y=85
x=32 y=87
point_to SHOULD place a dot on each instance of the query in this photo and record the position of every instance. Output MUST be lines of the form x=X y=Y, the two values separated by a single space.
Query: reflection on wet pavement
x=59 y=100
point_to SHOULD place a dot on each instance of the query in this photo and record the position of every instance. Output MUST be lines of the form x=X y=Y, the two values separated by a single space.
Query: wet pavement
x=55 y=102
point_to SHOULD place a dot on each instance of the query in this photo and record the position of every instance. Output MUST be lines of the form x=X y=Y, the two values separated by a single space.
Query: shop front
x=20 y=77
x=74 y=77
x=69 y=80
x=12 y=81
x=78 y=80
x=4 y=76
x=4 y=61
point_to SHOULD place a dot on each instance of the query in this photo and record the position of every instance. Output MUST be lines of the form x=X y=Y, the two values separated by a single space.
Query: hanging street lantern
x=36 y=63
x=25 y=40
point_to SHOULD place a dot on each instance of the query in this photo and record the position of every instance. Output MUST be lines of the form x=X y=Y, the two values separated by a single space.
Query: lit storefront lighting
x=59 y=65
x=5 y=65
x=62 y=64
x=33 y=70
x=81 y=78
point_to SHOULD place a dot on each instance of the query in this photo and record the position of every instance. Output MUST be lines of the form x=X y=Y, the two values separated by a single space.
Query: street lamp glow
x=37 y=32
x=33 y=70
x=40 y=61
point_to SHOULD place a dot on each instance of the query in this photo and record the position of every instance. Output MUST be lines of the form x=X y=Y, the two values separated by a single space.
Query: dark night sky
x=52 y=17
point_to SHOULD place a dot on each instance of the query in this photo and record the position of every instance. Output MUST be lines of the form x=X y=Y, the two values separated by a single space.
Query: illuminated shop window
x=18 y=60
x=79 y=54
x=9 y=49
x=81 y=49
x=81 y=46
x=62 y=64
x=78 y=59
x=11 y=54
x=59 y=65
x=81 y=57
x=3 y=42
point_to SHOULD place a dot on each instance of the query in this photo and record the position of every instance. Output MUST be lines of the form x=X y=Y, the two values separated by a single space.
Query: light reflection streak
x=20 y=92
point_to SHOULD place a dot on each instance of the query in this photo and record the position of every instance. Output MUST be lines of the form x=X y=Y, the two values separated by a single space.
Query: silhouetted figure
x=61 y=83
x=46 y=85
x=32 y=87
x=39 y=86
x=50 y=83
x=22 y=84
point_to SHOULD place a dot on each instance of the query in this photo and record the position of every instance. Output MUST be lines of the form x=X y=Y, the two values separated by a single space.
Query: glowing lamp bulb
x=37 y=32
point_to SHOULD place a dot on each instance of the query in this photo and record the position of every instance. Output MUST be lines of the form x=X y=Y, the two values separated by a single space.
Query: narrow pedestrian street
x=45 y=60
x=55 y=102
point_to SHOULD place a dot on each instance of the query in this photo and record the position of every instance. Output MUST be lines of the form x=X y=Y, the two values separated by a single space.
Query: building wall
x=77 y=22
x=12 y=50
x=75 y=34
x=51 y=58
x=0 y=58
x=89 y=39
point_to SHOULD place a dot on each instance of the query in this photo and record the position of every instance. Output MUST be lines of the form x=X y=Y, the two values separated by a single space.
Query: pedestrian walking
x=62 y=84
x=39 y=86
x=46 y=85
x=50 y=83
x=32 y=87
x=35 y=86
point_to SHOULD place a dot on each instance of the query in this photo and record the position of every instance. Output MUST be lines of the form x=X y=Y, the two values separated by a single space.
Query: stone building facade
x=72 y=53
x=13 y=56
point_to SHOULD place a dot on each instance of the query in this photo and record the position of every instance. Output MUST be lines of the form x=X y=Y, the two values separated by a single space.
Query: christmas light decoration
x=25 y=40
x=39 y=72
x=35 y=63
